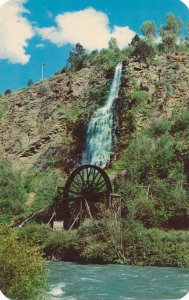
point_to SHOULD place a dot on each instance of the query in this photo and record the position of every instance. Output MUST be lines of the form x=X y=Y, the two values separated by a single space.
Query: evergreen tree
x=143 y=50
x=112 y=44
x=8 y=92
x=30 y=82
x=135 y=40
x=170 y=33
x=149 y=30
x=78 y=57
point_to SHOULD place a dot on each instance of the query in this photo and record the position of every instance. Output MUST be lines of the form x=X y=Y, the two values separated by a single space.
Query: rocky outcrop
x=41 y=125
x=151 y=91
x=45 y=125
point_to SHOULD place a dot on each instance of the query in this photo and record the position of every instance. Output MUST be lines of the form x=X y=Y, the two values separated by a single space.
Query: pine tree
x=78 y=57
x=170 y=33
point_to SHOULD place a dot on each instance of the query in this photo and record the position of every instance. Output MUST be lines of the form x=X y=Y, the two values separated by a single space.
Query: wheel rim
x=88 y=183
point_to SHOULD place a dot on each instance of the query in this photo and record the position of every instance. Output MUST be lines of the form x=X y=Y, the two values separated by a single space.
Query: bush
x=181 y=122
x=155 y=247
x=42 y=90
x=175 y=66
x=98 y=94
x=13 y=193
x=107 y=58
x=23 y=271
x=62 y=245
x=100 y=241
x=44 y=185
x=109 y=241
x=153 y=189
x=160 y=127
x=4 y=107
x=37 y=233
x=138 y=97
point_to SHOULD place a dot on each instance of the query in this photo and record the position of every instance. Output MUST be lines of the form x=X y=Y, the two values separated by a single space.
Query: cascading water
x=99 y=132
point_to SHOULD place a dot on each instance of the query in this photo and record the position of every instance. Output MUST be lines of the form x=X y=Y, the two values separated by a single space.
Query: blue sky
x=43 y=31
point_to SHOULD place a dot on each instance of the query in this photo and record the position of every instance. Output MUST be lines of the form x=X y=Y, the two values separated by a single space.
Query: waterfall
x=99 y=133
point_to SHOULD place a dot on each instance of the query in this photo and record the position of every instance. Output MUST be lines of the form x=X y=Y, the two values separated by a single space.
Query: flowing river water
x=69 y=281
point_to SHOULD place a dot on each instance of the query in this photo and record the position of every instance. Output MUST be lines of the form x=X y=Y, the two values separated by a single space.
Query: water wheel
x=85 y=188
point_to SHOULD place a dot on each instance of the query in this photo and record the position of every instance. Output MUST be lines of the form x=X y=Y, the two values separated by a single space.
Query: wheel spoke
x=75 y=187
x=78 y=180
x=81 y=176
x=86 y=183
x=74 y=192
x=96 y=187
x=98 y=179
x=93 y=180
x=101 y=186
x=76 y=183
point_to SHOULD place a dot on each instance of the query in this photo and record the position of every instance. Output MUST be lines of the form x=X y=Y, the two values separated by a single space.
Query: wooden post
x=88 y=209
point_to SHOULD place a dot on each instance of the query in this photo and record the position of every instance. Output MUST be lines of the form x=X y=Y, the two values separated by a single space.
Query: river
x=71 y=281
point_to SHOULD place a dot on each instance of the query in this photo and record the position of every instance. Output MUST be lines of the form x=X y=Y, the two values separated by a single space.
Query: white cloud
x=15 y=31
x=123 y=35
x=186 y=2
x=88 y=27
x=2 y=2
x=41 y=45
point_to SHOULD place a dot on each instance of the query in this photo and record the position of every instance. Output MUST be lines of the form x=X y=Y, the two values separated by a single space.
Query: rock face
x=151 y=91
x=43 y=124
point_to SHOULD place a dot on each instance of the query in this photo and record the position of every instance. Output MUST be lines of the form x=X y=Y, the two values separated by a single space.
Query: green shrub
x=159 y=127
x=42 y=90
x=44 y=185
x=23 y=271
x=108 y=241
x=37 y=233
x=107 y=58
x=138 y=97
x=13 y=194
x=146 y=157
x=181 y=122
x=98 y=94
x=4 y=108
x=155 y=247
x=98 y=242
x=62 y=245
x=153 y=188
x=174 y=66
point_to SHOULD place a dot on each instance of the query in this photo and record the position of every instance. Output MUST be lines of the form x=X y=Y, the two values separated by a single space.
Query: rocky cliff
x=149 y=92
x=45 y=124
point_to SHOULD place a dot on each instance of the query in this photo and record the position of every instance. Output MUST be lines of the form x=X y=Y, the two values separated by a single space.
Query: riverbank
x=104 y=242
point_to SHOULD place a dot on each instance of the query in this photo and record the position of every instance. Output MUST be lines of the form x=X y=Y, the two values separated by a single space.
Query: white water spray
x=99 y=133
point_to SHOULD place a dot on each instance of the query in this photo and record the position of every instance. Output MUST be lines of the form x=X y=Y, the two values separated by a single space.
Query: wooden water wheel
x=85 y=188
